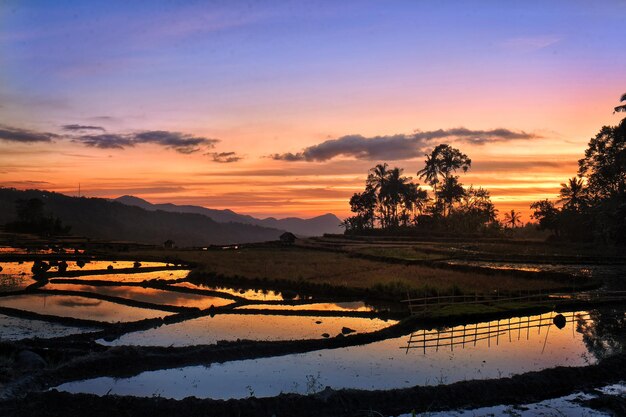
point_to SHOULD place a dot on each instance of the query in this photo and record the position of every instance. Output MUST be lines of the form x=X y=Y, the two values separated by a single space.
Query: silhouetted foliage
x=593 y=206
x=31 y=218
x=392 y=201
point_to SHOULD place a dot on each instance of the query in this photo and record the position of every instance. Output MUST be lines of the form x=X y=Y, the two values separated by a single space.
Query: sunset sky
x=280 y=108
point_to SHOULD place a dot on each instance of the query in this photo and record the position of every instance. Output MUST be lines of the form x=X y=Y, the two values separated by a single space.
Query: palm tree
x=573 y=194
x=439 y=166
x=512 y=218
x=451 y=192
x=376 y=181
x=391 y=194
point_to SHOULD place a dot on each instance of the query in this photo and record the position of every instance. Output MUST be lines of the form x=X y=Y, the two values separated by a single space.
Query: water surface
x=209 y=330
x=79 y=307
x=508 y=349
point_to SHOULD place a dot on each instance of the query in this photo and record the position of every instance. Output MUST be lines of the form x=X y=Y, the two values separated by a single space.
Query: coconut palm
x=573 y=194
x=512 y=218
x=439 y=167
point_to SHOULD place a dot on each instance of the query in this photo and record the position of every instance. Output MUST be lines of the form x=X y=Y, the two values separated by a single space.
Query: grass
x=403 y=253
x=339 y=269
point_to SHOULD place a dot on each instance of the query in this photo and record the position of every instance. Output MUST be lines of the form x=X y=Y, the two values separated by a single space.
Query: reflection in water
x=209 y=330
x=517 y=328
x=78 y=307
x=14 y=328
x=347 y=306
x=247 y=293
x=149 y=295
x=605 y=334
x=15 y=276
x=102 y=265
x=140 y=276
x=385 y=364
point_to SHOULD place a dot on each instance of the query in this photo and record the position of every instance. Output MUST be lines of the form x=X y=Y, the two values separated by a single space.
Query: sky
x=280 y=109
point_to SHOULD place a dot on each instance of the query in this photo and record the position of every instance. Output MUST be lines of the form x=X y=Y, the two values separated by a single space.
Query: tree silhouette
x=439 y=167
x=573 y=194
x=604 y=164
x=512 y=218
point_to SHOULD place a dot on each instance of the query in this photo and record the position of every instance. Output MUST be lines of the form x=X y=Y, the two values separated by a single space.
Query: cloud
x=396 y=147
x=13 y=134
x=106 y=141
x=180 y=142
x=530 y=43
x=225 y=157
x=73 y=128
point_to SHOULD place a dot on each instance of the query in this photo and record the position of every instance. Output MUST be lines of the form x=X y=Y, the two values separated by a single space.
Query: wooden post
x=452 y=339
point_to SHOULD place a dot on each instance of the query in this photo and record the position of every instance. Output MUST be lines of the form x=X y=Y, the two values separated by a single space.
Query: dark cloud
x=396 y=147
x=225 y=157
x=181 y=142
x=106 y=141
x=13 y=134
x=73 y=128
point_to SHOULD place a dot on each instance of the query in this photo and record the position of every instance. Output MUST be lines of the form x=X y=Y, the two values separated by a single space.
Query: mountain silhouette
x=105 y=219
x=316 y=226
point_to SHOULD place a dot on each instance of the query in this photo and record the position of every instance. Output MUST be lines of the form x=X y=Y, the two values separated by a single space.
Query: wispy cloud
x=14 y=134
x=78 y=128
x=225 y=157
x=530 y=43
x=397 y=147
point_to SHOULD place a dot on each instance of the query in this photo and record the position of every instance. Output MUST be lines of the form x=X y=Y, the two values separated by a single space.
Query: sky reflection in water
x=380 y=365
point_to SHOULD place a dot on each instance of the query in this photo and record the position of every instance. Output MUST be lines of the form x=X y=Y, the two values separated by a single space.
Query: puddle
x=15 y=276
x=149 y=295
x=79 y=307
x=15 y=328
x=381 y=365
x=248 y=294
x=347 y=306
x=209 y=330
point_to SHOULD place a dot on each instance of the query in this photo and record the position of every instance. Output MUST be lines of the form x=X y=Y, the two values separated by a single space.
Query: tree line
x=393 y=201
x=592 y=205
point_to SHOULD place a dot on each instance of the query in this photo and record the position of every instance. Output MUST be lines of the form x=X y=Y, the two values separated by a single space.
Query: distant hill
x=104 y=219
x=316 y=226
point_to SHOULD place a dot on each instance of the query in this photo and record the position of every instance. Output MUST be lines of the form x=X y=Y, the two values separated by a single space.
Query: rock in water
x=559 y=321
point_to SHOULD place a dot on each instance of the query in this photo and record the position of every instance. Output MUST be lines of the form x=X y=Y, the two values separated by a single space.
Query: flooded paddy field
x=260 y=327
x=16 y=328
x=275 y=341
x=78 y=307
x=484 y=350
x=144 y=294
